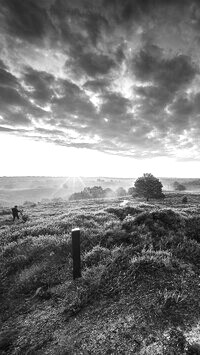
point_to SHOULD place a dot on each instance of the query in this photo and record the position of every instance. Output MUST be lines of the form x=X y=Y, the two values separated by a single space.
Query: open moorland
x=17 y=190
x=140 y=287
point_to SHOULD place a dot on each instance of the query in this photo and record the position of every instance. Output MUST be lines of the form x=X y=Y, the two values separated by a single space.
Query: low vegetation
x=139 y=291
x=178 y=186
x=97 y=192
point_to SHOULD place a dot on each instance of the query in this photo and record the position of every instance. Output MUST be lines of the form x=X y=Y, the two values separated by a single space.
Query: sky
x=100 y=88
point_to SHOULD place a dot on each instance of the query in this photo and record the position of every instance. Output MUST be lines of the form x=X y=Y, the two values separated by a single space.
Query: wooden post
x=76 y=253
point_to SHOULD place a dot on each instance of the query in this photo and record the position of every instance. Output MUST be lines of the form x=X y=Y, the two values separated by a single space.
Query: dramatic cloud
x=93 y=64
x=39 y=84
x=97 y=86
x=26 y=19
x=173 y=74
x=116 y=76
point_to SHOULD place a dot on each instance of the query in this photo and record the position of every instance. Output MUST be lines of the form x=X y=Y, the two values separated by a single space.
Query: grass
x=139 y=290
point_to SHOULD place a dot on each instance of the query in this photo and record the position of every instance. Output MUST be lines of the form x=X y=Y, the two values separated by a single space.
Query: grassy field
x=140 y=287
x=17 y=190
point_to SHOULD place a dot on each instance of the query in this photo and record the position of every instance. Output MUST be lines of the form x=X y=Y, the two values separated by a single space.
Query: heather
x=139 y=290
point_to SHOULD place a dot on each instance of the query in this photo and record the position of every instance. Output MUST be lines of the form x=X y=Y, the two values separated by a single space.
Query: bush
x=114 y=234
x=184 y=199
x=132 y=191
x=178 y=186
x=84 y=290
x=32 y=278
x=44 y=274
x=91 y=277
x=5 y=211
x=122 y=212
x=7 y=338
x=193 y=349
x=96 y=255
x=170 y=300
x=188 y=250
x=192 y=229
x=174 y=342
x=120 y=192
x=166 y=218
x=91 y=193
x=29 y=204
x=16 y=256
x=114 y=276
x=149 y=261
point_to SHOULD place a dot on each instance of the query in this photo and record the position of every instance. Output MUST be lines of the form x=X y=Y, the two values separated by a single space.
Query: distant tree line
x=97 y=192
x=147 y=186
x=179 y=187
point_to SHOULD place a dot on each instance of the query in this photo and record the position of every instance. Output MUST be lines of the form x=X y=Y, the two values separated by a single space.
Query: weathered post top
x=75 y=230
x=76 y=253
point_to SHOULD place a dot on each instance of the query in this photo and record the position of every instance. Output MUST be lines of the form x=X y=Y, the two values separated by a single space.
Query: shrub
x=90 y=193
x=32 y=278
x=161 y=229
x=149 y=261
x=90 y=237
x=16 y=263
x=29 y=204
x=5 y=211
x=174 y=342
x=184 y=199
x=91 y=277
x=114 y=276
x=16 y=256
x=167 y=218
x=44 y=274
x=170 y=299
x=132 y=191
x=84 y=290
x=187 y=250
x=120 y=192
x=114 y=234
x=193 y=349
x=192 y=229
x=96 y=255
x=178 y=186
x=7 y=338
x=122 y=212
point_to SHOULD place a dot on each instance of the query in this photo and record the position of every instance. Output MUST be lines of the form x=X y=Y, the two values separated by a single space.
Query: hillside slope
x=140 y=285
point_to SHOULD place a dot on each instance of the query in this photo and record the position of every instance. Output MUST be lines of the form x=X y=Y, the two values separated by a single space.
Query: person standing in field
x=15 y=213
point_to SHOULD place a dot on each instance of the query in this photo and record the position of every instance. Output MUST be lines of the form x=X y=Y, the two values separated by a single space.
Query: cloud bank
x=120 y=77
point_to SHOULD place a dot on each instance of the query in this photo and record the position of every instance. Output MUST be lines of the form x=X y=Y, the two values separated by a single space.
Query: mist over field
x=21 y=189
x=17 y=190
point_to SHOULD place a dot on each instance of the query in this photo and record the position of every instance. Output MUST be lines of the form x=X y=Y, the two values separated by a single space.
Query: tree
x=178 y=186
x=120 y=192
x=132 y=191
x=149 y=186
x=94 y=192
x=89 y=192
x=108 y=192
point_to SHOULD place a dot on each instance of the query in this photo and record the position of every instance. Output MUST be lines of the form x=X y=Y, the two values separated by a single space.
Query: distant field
x=17 y=190
x=20 y=189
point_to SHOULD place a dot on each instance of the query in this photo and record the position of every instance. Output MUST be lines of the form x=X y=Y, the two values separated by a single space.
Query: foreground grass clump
x=96 y=255
x=139 y=291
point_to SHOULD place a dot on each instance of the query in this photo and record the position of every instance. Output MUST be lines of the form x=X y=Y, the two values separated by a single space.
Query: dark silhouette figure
x=15 y=212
